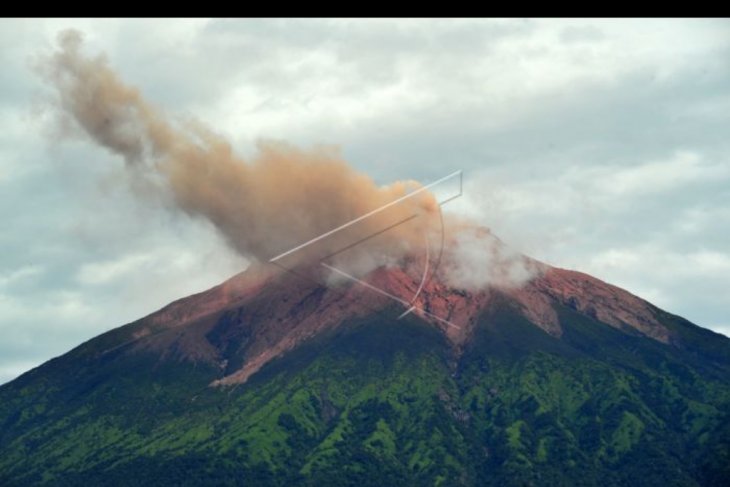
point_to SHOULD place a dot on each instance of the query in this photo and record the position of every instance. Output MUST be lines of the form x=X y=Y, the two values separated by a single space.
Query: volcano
x=272 y=378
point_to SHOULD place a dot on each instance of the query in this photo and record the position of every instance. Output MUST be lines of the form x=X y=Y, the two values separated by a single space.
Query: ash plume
x=263 y=206
x=280 y=198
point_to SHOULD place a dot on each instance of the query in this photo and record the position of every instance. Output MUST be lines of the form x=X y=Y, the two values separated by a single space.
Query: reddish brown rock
x=265 y=312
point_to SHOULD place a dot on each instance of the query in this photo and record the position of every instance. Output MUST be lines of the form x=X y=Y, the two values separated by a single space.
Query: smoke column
x=277 y=200
x=280 y=198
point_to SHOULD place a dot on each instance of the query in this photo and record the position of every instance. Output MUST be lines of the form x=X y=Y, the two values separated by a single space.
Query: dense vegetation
x=385 y=403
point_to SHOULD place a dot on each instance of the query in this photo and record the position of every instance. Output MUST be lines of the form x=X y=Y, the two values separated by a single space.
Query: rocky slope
x=264 y=312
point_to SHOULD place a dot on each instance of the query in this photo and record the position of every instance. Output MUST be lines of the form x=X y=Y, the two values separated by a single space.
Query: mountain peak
x=265 y=312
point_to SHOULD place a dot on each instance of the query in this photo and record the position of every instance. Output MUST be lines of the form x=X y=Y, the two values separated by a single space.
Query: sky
x=596 y=145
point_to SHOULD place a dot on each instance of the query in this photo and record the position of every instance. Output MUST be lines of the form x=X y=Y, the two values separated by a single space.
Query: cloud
x=610 y=187
x=682 y=169
x=25 y=272
x=95 y=273
x=476 y=259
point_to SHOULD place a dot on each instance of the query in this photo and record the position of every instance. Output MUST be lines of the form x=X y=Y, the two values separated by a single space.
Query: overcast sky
x=601 y=146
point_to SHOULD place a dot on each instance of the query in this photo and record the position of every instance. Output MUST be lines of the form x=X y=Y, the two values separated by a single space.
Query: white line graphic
x=367 y=215
x=391 y=296
x=410 y=307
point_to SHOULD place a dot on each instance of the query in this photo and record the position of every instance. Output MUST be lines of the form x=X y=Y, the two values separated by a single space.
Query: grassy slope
x=382 y=404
